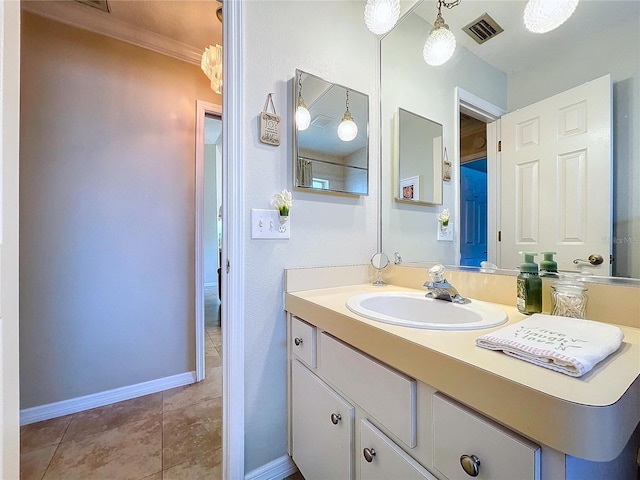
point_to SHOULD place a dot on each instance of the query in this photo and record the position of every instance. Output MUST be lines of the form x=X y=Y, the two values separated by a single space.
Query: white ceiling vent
x=99 y=4
x=321 y=121
x=483 y=28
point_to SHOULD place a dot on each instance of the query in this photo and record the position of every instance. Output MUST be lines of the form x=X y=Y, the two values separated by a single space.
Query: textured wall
x=329 y=40
x=106 y=213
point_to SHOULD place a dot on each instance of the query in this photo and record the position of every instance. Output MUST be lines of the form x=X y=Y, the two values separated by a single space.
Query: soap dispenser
x=548 y=266
x=529 y=286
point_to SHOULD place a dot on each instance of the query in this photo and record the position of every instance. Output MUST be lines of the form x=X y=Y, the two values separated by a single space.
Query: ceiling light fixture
x=441 y=43
x=347 y=130
x=211 y=65
x=542 y=16
x=303 y=117
x=380 y=16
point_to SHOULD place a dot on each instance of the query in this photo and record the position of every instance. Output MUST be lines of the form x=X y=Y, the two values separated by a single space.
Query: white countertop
x=590 y=417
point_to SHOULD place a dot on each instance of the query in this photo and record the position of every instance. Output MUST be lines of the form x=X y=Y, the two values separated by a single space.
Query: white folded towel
x=568 y=345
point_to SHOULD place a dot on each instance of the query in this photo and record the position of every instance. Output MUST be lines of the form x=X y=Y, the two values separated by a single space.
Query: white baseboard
x=79 y=404
x=275 y=470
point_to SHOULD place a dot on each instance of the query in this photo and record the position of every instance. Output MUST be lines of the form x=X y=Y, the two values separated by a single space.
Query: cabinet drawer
x=386 y=394
x=323 y=428
x=384 y=460
x=303 y=341
x=502 y=455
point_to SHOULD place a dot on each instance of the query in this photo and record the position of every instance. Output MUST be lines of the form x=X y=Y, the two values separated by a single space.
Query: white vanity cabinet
x=467 y=445
x=353 y=417
x=323 y=431
x=382 y=459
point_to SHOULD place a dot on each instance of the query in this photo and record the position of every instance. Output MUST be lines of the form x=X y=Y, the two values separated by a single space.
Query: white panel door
x=323 y=428
x=556 y=178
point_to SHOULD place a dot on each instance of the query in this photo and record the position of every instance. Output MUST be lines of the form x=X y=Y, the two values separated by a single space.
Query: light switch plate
x=265 y=224
x=445 y=234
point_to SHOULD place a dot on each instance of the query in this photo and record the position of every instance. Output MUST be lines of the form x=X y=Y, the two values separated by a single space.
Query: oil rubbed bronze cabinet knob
x=470 y=464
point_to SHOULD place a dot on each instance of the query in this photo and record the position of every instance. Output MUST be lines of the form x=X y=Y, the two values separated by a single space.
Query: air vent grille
x=99 y=4
x=321 y=121
x=483 y=28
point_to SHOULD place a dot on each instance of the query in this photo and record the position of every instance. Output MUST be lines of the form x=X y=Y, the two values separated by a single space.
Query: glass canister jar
x=569 y=297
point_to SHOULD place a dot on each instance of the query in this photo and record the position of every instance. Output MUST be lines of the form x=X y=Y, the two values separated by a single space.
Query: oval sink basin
x=413 y=309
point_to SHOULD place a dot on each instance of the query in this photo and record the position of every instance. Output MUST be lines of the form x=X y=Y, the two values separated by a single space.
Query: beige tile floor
x=171 y=435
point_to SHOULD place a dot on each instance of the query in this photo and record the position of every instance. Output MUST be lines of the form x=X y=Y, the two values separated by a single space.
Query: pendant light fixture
x=303 y=117
x=441 y=43
x=211 y=65
x=542 y=16
x=347 y=130
x=380 y=16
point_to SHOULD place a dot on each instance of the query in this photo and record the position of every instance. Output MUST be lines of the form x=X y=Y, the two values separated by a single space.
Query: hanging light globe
x=303 y=117
x=347 y=130
x=380 y=16
x=440 y=45
x=542 y=16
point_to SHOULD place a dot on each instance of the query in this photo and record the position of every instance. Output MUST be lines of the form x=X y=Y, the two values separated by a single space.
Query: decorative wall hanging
x=446 y=167
x=269 y=124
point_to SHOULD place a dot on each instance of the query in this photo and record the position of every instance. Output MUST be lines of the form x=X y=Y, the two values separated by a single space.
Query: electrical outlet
x=266 y=224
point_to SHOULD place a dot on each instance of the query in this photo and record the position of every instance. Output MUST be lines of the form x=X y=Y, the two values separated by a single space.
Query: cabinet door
x=382 y=459
x=322 y=423
x=489 y=450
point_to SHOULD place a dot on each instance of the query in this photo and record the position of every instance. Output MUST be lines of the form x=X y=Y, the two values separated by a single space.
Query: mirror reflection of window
x=320 y=183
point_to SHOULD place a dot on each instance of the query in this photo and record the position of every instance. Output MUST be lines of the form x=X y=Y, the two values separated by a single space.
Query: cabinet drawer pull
x=369 y=453
x=297 y=341
x=470 y=464
x=335 y=418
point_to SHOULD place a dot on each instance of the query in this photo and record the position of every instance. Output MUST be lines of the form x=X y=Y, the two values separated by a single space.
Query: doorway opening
x=477 y=193
x=209 y=228
x=473 y=191
x=212 y=225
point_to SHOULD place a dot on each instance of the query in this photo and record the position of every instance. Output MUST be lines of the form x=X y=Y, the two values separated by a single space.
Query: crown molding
x=80 y=16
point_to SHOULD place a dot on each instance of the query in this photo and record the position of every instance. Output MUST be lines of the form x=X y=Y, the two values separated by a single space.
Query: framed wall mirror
x=418 y=159
x=331 y=131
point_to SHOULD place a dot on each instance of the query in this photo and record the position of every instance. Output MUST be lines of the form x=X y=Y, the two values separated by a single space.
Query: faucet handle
x=437 y=273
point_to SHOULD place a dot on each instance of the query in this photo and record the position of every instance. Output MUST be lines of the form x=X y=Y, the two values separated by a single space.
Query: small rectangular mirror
x=331 y=131
x=418 y=157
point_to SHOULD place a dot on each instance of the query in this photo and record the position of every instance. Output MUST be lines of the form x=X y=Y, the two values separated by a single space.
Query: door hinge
x=499 y=145
x=499 y=235
x=228 y=265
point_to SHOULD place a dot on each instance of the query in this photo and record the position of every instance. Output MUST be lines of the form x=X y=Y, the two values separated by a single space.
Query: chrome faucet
x=440 y=289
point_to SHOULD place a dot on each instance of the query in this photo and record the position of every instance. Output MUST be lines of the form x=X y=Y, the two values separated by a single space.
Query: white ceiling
x=516 y=48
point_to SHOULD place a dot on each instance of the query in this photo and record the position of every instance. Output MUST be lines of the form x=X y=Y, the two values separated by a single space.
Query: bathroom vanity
x=374 y=400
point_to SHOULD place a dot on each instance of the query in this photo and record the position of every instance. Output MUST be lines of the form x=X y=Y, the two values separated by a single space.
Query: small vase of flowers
x=283 y=202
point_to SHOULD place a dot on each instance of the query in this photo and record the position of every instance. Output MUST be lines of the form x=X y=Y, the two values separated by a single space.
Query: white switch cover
x=266 y=224
x=445 y=234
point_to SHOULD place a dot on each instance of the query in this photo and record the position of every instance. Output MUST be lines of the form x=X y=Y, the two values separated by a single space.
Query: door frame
x=489 y=113
x=9 y=231
x=202 y=109
x=233 y=241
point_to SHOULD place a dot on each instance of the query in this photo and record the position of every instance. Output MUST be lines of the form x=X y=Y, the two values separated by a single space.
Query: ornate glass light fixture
x=347 y=130
x=542 y=16
x=380 y=16
x=303 y=117
x=211 y=65
x=441 y=43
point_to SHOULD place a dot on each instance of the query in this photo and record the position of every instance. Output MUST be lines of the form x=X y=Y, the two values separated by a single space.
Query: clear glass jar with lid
x=569 y=297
